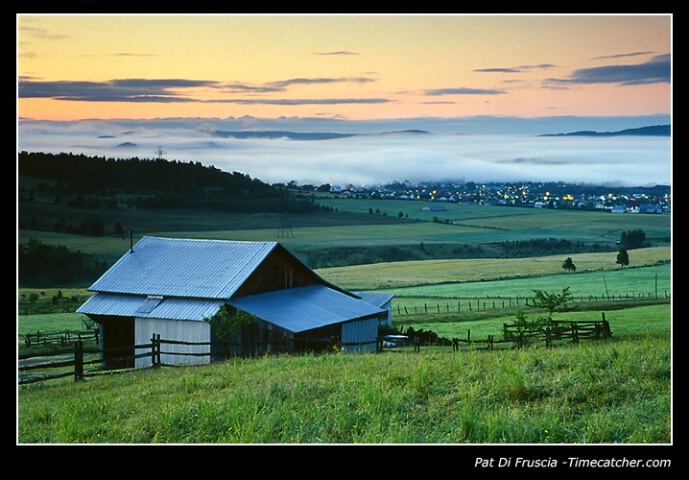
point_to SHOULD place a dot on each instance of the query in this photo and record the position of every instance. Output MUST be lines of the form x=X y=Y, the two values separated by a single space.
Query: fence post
x=155 y=350
x=158 y=362
x=78 y=361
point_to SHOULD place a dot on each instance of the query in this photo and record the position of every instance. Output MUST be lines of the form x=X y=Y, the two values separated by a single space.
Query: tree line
x=85 y=181
x=41 y=265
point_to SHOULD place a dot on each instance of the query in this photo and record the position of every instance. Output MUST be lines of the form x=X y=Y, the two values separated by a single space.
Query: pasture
x=617 y=391
x=349 y=225
x=595 y=393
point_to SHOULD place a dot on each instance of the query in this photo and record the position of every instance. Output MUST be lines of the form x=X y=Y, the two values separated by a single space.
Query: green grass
x=635 y=322
x=606 y=392
x=630 y=282
x=616 y=391
x=393 y=275
x=351 y=225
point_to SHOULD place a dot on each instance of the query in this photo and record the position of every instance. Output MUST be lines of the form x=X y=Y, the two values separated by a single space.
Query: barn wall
x=387 y=319
x=365 y=330
x=178 y=330
x=278 y=271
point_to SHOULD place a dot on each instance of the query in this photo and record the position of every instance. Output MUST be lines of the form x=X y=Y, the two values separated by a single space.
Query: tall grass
x=606 y=392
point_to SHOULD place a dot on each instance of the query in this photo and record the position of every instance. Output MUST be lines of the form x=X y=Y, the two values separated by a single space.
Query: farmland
x=613 y=392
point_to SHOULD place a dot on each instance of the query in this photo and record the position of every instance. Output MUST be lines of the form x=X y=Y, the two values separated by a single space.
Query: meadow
x=615 y=391
x=595 y=393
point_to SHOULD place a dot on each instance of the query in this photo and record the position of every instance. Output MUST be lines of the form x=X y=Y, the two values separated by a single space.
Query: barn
x=171 y=287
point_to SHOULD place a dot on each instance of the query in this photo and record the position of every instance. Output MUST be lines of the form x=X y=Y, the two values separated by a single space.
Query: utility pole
x=160 y=152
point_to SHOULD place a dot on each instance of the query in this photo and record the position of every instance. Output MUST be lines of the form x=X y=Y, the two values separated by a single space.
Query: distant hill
x=655 y=130
x=275 y=134
x=155 y=183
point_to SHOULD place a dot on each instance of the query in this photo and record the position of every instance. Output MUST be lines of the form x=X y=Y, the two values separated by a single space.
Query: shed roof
x=305 y=308
x=377 y=299
x=212 y=269
x=145 y=307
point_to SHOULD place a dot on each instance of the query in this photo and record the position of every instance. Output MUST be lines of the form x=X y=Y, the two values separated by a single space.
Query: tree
x=553 y=302
x=227 y=326
x=622 y=258
x=569 y=265
x=633 y=239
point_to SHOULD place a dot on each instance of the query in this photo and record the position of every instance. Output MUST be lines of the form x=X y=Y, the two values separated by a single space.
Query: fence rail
x=41 y=362
x=60 y=338
x=476 y=304
x=514 y=334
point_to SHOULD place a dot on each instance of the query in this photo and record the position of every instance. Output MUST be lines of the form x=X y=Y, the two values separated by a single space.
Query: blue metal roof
x=377 y=299
x=305 y=308
x=212 y=269
x=145 y=307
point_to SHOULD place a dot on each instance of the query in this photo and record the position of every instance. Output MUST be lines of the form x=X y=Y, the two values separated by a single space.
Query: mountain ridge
x=653 y=130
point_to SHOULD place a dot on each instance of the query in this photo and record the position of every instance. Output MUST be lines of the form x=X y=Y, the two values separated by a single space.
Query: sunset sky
x=352 y=67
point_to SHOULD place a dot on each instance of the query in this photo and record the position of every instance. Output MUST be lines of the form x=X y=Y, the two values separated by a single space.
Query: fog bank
x=370 y=158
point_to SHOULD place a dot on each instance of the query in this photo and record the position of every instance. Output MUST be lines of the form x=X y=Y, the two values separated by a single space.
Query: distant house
x=171 y=287
x=647 y=208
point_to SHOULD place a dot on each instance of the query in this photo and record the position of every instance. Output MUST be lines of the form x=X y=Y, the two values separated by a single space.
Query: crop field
x=350 y=225
x=394 y=275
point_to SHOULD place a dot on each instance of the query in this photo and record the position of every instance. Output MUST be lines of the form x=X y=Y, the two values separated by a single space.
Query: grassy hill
x=394 y=275
x=618 y=391
x=595 y=393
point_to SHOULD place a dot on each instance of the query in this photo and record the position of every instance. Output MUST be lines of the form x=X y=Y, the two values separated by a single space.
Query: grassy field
x=617 y=391
x=595 y=393
x=350 y=225
x=394 y=275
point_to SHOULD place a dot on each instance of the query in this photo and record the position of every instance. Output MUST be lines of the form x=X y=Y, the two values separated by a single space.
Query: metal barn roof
x=377 y=299
x=145 y=307
x=212 y=269
x=305 y=308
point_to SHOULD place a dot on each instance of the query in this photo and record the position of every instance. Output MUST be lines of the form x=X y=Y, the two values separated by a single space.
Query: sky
x=353 y=67
x=484 y=87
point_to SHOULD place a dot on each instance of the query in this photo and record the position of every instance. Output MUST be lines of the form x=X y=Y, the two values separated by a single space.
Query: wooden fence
x=498 y=303
x=518 y=335
x=513 y=334
x=32 y=367
x=60 y=338
x=557 y=330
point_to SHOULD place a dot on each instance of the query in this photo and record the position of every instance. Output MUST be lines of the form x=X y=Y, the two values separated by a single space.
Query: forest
x=94 y=182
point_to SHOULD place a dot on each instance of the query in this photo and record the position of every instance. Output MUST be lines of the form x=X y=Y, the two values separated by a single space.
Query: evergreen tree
x=622 y=258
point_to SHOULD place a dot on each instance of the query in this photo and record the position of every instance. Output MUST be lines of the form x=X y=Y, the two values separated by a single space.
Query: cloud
x=462 y=91
x=656 y=70
x=136 y=90
x=622 y=55
x=497 y=70
x=517 y=69
x=339 y=52
x=372 y=158
x=320 y=80
x=123 y=90
x=302 y=101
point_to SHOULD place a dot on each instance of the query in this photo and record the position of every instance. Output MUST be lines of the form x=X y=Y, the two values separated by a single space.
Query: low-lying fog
x=370 y=158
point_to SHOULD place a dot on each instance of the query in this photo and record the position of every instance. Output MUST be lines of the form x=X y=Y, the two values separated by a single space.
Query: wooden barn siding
x=387 y=319
x=365 y=331
x=278 y=271
x=177 y=330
